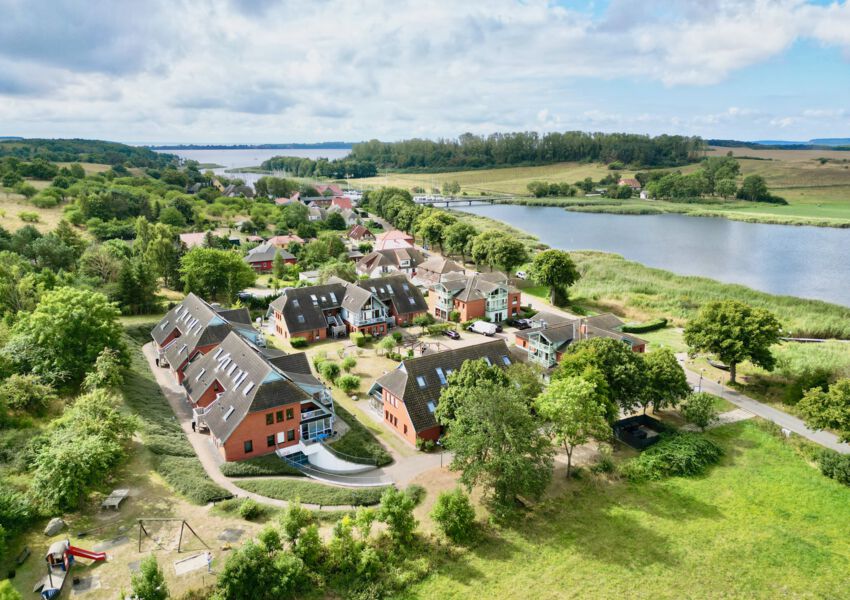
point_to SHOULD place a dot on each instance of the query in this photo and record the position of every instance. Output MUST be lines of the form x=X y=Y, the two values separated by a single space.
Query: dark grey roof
x=199 y=324
x=404 y=382
x=558 y=335
x=475 y=286
x=355 y=298
x=605 y=321
x=397 y=290
x=302 y=312
x=251 y=383
x=266 y=252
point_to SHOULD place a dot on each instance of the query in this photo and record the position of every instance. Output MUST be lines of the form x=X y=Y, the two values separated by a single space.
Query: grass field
x=609 y=282
x=818 y=192
x=11 y=205
x=509 y=180
x=763 y=524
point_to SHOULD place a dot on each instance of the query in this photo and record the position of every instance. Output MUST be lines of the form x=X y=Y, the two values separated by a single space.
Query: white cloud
x=259 y=70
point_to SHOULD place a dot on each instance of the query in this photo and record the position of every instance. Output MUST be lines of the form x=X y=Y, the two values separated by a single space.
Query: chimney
x=543 y=324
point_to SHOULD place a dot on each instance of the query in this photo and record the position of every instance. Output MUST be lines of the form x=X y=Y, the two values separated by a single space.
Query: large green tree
x=62 y=338
x=215 y=274
x=556 y=270
x=498 y=444
x=457 y=239
x=828 y=409
x=734 y=332
x=499 y=250
x=462 y=382
x=666 y=383
x=574 y=409
x=623 y=371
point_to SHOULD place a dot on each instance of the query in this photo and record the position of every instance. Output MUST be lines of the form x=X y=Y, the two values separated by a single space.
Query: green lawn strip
x=259 y=466
x=609 y=278
x=358 y=441
x=762 y=524
x=310 y=492
x=174 y=457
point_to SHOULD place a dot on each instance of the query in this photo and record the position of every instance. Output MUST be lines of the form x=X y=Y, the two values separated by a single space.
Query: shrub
x=26 y=393
x=425 y=445
x=606 y=462
x=330 y=370
x=29 y=217
x=454 y=316
x=250 y=510
x=396 y=510
x=416 y=493
x=397 y=336
x=348 y=383
x=348 y=363
x=677 y=454
x=454 y=515
x=360 y=339
x=259 y=466
x=835 y=465
x=439 y=328
x=149 y=581
x=644 y=327
x=298 y=342
x=699 y=409
x=318 y=359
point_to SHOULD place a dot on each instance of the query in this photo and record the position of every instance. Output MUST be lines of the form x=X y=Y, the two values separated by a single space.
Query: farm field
x=509 y=180
x=762 y=524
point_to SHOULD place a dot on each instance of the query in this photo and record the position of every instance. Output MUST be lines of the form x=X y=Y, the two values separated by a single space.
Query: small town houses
x=339 y=308
x=394 y=260
x=477 y=296
x=407 y=396
x=261 y=258
x=253 y=400
x=194 y=328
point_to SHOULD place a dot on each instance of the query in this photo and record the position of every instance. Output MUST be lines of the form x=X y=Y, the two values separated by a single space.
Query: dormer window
x=420 y=380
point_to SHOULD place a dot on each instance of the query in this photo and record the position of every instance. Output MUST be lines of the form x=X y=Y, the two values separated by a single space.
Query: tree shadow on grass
x=489 y=546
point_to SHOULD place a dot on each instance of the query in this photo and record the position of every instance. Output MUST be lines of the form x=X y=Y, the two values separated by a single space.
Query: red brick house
x=262 y=257
x=408 y=396
x=334 y=188
x=338 y=308
x=255 y=401
x=474 y=296
x=194 y=327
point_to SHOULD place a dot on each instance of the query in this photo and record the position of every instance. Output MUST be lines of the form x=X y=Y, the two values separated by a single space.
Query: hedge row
x=644 y=327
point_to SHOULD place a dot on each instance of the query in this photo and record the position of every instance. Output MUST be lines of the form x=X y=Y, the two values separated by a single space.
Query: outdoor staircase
x=357 y=477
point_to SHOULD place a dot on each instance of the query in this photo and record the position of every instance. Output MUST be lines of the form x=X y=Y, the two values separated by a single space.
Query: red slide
x=73 y=550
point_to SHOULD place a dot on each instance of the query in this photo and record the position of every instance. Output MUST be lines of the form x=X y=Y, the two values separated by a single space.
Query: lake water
x=232 y=159
x=809 y=262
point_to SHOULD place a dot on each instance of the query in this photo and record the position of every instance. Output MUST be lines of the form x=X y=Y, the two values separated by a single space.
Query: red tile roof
x=282 y=241
x=342 y=201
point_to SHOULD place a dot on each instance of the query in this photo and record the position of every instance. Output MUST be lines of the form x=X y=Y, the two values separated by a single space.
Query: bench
x=25 y=554
x=115 y=498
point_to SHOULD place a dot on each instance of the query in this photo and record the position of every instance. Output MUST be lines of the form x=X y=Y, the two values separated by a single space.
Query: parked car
x=521 y=275
x=523 y=324
x=452 y=334
x=484 y=328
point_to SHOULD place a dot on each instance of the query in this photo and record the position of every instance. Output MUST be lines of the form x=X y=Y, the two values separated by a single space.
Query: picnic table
x=115 y=498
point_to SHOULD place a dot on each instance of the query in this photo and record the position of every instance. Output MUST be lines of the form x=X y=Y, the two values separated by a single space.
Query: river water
x=232 y=159
x=808 y=262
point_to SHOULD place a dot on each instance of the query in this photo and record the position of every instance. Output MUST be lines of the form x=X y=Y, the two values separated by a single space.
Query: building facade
x=476 y=296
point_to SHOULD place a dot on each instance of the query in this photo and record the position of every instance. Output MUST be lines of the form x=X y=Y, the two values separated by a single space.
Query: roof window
x=421 y=381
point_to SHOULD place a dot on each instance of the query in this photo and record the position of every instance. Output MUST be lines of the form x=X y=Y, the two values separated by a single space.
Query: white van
x=521 y=275
x=484 y=328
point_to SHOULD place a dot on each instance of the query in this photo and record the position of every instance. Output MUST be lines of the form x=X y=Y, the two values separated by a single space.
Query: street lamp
x=440 y=444
x=699 y=385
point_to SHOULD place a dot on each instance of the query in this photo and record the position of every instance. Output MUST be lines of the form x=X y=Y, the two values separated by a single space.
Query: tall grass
x=659 y=293
x=311 y=492
x=174 y=457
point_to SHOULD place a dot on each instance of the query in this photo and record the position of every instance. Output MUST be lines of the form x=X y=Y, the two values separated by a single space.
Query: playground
x=100 y=547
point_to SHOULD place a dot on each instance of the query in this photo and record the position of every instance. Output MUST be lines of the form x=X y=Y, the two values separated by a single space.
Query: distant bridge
x=461 y=200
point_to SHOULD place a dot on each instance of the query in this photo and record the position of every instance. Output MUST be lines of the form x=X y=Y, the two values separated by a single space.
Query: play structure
x=60 y=558
x=145 y=526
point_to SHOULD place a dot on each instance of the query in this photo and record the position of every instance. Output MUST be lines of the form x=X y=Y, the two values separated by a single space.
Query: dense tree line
x=530 y=148
x=89 y=151
x=442 y=230
x=340 y=168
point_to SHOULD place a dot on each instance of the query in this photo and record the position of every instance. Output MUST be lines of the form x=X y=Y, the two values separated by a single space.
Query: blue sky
x=279 y=70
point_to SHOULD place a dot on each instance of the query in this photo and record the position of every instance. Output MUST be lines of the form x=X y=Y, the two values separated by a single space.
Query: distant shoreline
x=293 y=146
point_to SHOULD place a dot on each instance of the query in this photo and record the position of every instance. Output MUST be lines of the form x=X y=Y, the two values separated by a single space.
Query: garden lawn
x=763 y=524
x=310 y=492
